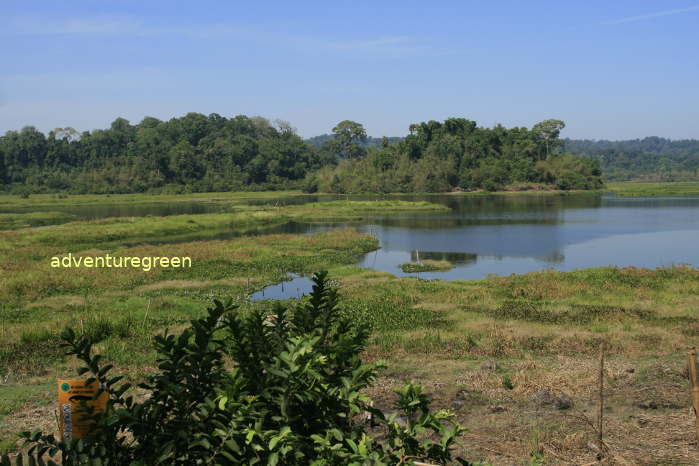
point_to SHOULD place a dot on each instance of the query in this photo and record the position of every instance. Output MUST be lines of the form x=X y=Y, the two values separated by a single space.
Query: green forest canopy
x=214 y=153
x=651 y=158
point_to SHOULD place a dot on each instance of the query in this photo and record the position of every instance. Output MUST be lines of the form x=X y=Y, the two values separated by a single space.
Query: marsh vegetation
x=426 y=265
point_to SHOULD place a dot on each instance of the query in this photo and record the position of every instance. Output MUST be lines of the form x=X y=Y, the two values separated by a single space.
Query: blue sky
x=614 y=70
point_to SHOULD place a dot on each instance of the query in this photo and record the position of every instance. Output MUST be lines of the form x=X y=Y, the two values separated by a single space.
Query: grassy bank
x=638 y=188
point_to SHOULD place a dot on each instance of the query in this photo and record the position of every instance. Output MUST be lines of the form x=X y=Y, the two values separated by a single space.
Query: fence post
x=600 y=399
x=694 y=380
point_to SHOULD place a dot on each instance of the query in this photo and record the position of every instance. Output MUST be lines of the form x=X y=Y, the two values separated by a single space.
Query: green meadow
x=638 y=188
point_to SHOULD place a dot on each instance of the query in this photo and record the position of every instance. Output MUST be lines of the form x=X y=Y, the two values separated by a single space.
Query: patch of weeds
x=646 y=374
x=544 y=312
x=648 y=340
x=594 y=342
x=434 y=343
x=96 y=328
x=426 y=343
x=15 y=395
x=535 y=343
x=507 y=383
x=388 y=342
x=37 y=335
x=536 y=452
x=676 y=320
x=600 y=328
x=471 y=340
x=7 y=446
x=387 y=314
x=29 y=358
x=132 y=353
x=691 y=330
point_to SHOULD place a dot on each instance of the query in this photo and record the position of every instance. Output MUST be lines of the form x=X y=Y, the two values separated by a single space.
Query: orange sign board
x=71 y=393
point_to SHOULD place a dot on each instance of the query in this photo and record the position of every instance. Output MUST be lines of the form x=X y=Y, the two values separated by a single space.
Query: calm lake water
x=503 y=235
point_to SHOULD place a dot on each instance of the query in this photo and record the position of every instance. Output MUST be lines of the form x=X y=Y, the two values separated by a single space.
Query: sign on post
x=71 y=394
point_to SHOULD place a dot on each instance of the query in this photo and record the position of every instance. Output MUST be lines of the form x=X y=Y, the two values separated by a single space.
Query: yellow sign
x=71 y=393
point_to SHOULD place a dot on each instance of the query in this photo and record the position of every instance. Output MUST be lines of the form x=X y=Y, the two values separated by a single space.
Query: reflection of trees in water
x=466 y=258
x=554 y=257
x=437 y=223
x=513 y=203
x=456 y=258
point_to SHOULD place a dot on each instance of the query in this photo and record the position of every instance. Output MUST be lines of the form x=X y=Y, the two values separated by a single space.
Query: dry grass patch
x=506 y=425
x=195 y=284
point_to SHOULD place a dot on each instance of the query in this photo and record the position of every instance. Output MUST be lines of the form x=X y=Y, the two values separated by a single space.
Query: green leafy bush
x=293 y=397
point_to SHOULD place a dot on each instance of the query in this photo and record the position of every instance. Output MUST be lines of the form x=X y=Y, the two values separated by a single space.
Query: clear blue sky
x=610 y=69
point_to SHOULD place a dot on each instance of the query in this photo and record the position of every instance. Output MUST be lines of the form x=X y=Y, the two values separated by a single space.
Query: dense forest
x=456 y=154
x=197 y=153
x=651 y=158
x=370 y=141
x=191 y=153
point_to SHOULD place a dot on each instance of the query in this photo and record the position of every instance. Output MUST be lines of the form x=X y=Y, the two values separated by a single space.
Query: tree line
x=651 y=158
x=199 y=153
x=191 y=153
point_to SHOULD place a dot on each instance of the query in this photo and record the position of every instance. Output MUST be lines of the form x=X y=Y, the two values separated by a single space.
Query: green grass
x=44 y=200
x=649 y=189
x=13 y=395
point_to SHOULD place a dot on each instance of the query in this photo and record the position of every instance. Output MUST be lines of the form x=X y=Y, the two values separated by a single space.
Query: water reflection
x=295 y=287
x=456 y=258
x=93 y=212
x=517 y=234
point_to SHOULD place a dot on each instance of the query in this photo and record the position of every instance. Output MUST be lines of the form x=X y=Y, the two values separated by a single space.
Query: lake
x=506 y=234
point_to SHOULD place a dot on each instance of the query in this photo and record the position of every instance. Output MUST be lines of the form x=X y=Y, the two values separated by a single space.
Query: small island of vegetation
x=426 y=265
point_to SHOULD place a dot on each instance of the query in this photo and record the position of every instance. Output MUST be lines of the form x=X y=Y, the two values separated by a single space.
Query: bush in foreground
x=293 y=397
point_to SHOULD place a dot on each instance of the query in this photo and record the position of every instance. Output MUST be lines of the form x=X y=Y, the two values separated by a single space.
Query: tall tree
x=349 y=136
x=548 y=131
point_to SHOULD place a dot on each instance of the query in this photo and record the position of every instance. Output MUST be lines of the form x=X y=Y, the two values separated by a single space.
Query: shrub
x=293 y=397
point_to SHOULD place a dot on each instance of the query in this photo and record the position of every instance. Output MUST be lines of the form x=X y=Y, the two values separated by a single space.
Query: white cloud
x=380 y=45
x=657 y=14
x=93 y=26
x=134 y=27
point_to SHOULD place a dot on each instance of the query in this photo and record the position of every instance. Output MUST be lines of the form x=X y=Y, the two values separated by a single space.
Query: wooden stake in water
x=694 y=381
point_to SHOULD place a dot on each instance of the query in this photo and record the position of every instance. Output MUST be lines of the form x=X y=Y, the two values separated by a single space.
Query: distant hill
x=651 y=158
x=371 y=141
